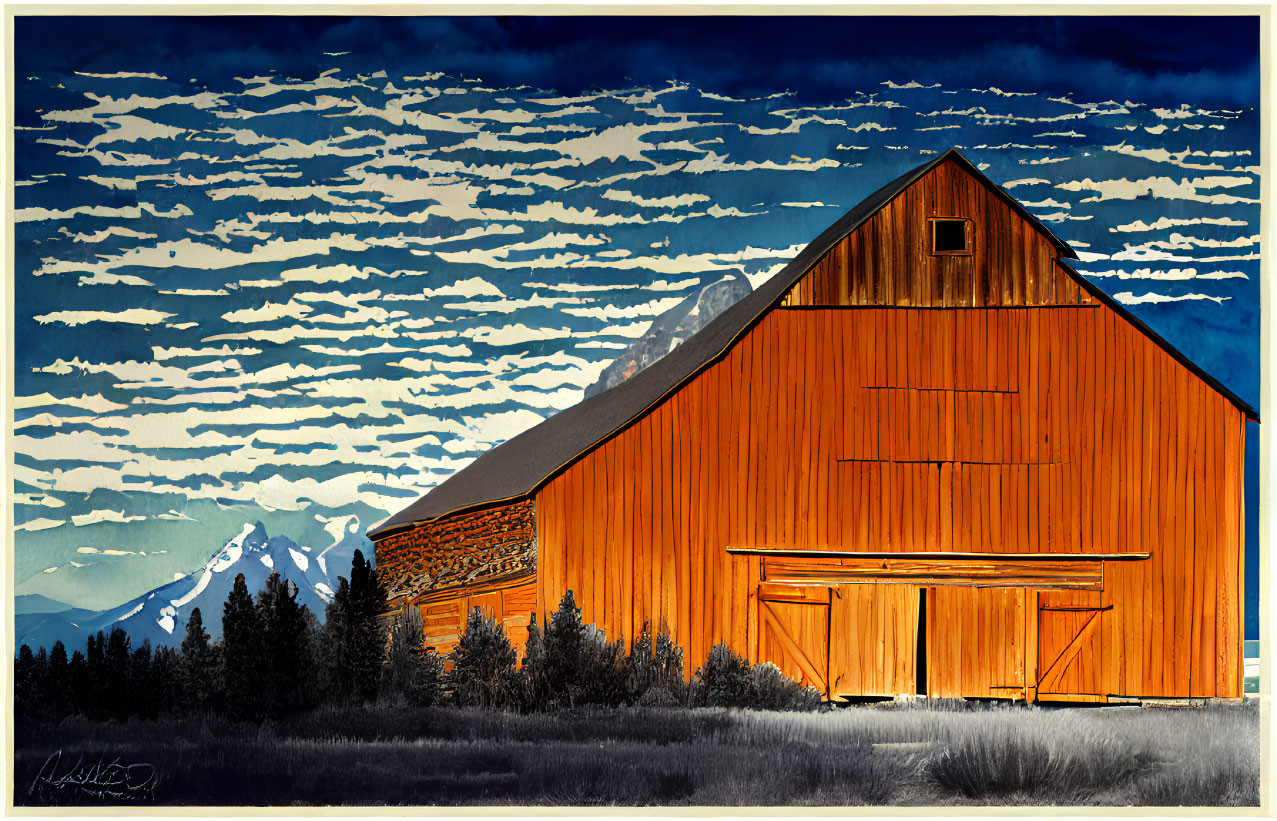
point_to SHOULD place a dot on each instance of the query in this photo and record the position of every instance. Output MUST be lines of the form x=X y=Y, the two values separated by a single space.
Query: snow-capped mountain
x=161 y=615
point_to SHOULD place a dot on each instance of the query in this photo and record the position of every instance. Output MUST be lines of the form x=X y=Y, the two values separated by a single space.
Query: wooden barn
x=926 y=457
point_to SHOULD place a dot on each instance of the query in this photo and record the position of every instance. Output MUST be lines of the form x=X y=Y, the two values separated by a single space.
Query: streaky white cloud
x=95 y=402
x=1168 y=222
x=1128 y=298
x=672 y=201
x=1160 y=187
x=35 y=213
x=97 y=516
x=39 y=524
x=130 y=316
x=160 y=353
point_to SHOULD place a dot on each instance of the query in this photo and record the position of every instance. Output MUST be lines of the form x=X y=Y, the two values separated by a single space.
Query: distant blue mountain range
x=161 y=615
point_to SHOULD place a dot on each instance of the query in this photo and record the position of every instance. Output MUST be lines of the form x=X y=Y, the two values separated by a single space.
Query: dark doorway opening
x=920 y=663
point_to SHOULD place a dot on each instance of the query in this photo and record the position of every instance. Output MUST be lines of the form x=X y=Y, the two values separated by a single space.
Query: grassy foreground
x=933 y=754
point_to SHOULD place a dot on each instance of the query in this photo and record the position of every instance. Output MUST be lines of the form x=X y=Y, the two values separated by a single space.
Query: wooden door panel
x=976 y=642
x=873 y=640
x=795 y=637
x=1071 y=643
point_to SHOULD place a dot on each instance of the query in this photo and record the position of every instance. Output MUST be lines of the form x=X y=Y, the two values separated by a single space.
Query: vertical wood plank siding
x=1094 y=468
x=901 y=401
x=888 y=259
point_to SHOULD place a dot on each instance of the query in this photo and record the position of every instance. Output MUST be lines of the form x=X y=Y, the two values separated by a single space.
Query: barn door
x=873 y=640
x=793 y=632
x=976 y=642
x=1070 y=651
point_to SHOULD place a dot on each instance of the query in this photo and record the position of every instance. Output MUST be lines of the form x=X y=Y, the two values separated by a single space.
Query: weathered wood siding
x=1009 y=430
x=888 y=259
x=464 y=550
x=444 y=617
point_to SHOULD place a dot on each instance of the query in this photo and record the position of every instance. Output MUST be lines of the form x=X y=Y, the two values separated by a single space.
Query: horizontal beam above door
x=797 y=553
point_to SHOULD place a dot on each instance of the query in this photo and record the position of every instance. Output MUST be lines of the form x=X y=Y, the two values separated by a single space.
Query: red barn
x=925 y=457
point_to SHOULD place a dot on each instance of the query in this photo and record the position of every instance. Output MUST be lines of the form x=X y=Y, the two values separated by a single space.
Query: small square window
x=949 y=236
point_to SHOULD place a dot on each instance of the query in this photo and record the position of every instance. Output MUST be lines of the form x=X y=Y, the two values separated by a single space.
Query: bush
x=413 y=671
x=723 y=680
x=483 y=665
x=571 y=664
x=655 y=668
x=770 y=689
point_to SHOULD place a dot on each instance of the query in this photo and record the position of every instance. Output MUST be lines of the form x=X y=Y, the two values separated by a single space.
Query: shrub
x=655 y=668
x=482 y=664
x=600 y=676
x=571 y=664
x=770 y=689
x=723 y=680
x=413 y=671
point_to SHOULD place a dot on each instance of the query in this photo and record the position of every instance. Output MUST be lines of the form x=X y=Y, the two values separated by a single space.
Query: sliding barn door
x=1070 y=645
x=976 y=642
x=793 y=632
x=873 y=644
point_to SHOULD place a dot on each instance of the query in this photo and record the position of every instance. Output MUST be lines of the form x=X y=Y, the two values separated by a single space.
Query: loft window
x=950 y=235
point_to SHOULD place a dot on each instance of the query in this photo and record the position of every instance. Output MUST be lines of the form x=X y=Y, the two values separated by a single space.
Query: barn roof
x=518 y=466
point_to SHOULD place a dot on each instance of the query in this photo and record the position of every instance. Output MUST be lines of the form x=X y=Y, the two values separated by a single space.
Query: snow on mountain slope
x=161 y=615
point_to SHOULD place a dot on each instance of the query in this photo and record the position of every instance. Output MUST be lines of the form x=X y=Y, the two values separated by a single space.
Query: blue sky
x=300 y=270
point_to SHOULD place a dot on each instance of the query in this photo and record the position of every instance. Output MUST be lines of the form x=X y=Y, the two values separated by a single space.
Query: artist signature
x=103 y=781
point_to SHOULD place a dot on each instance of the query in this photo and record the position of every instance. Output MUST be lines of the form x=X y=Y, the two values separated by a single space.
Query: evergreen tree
x=198 y=669
x=354 y=633
x=482 y=664
x=285 y=659
x=95 y=705
x=656 y=669
x=59 y=681
x=141 y=692
x=166 y=679
x=413 y=671
x=24 y=681
x=78 y=688
x=116 y=673
x=241 y=652
x=534 y=687
x=564 y=637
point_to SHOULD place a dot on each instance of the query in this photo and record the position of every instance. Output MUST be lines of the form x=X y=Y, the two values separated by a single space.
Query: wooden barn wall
x=1058 y=429
x=888 y=259
x=444 y=618
x=463 y=550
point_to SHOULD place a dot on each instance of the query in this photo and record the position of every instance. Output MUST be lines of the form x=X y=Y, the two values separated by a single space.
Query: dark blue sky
x=816 y=56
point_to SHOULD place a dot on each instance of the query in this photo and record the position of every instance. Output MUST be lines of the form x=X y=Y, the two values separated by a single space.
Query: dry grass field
x=938 y=753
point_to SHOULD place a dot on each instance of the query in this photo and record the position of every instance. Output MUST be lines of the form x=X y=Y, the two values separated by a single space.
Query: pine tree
x=354 y=634
x=78 y=687
x=413 y=671
x=95 y=701
x=564 y=640
x=166 y=679
x=116 y=667
x=141 y=695
x=198 y=670
x=59 y=681
x=368 y=651
x=24 y=681
x=482 y=664
x=241 y=652
x=284 y=662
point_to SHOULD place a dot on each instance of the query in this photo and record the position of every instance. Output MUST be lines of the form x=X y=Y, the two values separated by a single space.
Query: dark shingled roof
x=518 y=466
